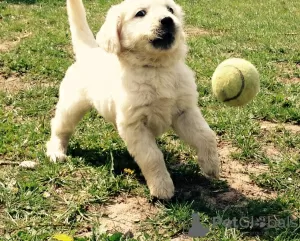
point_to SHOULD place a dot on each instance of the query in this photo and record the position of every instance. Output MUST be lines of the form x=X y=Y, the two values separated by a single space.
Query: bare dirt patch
x=288 y=70
x=271 y=151
x=14 y=84
x=272 y=131
x=192 y=31
x=238 y=177
x=8 y=45
x=182 y=238
x=270 y=126
x=286 y=67
x=125 y=214
x=293 y=80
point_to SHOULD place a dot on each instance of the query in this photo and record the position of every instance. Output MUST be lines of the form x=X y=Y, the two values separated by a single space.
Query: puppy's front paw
x=56 y=151
x=210 y=164
x=162 y=187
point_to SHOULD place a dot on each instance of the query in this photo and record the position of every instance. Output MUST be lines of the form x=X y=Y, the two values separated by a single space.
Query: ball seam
x=242 y=87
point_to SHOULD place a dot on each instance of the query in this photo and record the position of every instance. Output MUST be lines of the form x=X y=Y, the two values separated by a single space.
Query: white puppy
x=136 y=79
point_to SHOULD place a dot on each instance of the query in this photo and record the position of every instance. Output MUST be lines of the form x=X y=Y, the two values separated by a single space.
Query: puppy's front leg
x=193 y=129
x=142 y=146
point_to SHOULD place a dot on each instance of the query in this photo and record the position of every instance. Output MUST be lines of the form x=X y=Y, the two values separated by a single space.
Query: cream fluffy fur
x=142 y=89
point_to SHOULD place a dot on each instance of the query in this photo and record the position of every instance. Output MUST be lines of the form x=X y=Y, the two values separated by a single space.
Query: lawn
x=99 y=193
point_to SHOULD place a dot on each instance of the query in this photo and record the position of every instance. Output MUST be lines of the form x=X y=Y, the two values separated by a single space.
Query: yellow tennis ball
x=235 y=82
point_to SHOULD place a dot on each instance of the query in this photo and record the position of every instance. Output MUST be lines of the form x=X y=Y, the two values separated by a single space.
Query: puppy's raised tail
x=82 y=36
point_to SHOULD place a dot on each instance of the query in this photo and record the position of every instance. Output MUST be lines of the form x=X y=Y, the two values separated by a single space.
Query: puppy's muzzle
x=166 y=34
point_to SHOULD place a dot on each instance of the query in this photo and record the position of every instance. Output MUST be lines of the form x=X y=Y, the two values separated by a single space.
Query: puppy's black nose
x=167 y=22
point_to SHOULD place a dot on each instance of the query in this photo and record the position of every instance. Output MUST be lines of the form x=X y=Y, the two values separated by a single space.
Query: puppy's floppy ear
x=109 y=35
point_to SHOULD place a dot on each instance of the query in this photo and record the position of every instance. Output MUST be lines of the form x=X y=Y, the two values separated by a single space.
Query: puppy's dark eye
x=141 y=13
x=170 y=10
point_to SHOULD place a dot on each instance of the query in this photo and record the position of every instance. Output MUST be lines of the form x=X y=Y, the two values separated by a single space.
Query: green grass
x=60 y=198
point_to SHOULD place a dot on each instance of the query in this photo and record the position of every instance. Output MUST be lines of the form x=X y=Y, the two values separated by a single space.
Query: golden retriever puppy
x=134 y=74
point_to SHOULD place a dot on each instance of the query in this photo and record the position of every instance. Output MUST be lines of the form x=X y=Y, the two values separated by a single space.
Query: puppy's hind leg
x=70 y=109
x=193 y=129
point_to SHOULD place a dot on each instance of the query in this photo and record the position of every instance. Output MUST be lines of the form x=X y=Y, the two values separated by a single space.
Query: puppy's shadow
x=95 y=157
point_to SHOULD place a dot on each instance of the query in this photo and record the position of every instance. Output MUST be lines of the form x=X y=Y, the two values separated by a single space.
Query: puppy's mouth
x=164 y=41
x=166 y=34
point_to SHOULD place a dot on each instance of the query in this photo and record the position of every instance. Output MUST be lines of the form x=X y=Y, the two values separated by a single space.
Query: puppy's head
x=144 y=32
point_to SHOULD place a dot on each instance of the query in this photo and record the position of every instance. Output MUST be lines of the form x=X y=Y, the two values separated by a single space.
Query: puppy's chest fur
x=150 y=97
